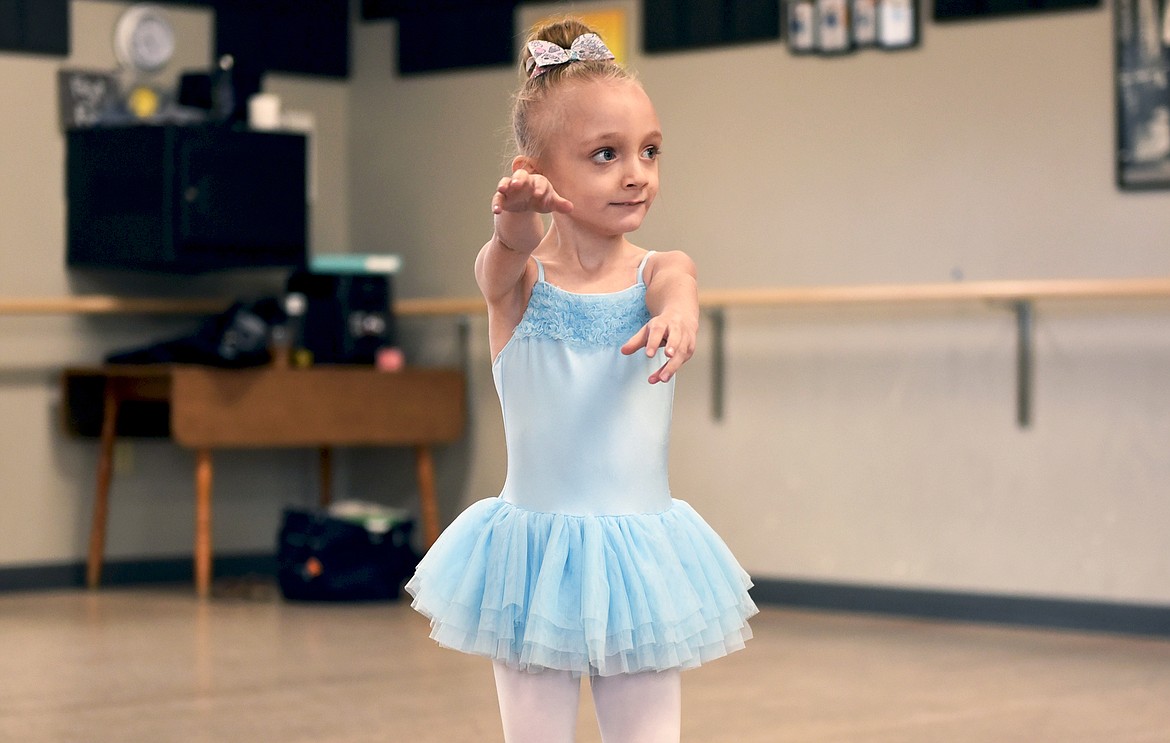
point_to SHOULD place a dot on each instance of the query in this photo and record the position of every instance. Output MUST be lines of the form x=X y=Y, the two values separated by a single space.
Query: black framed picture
x=955 y=10
x=85 y=97
x=679 y=25
x=1142 y=38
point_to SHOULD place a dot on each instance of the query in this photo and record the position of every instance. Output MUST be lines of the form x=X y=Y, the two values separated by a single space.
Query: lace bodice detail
x=584 y=319
x=587 y=433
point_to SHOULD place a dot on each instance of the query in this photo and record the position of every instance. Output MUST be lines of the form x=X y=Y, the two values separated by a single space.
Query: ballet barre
x=1001 y=290
x=100 y=304
x=1018 y=295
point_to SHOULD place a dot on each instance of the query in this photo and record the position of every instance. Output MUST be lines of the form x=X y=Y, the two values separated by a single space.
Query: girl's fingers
x=656 y=336
x=636 y=341
x=523 y=191
x=500 y=195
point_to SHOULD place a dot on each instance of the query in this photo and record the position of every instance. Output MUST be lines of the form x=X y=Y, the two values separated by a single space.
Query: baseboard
x=132 y=572
x=1048 y=613
x=1089 y=616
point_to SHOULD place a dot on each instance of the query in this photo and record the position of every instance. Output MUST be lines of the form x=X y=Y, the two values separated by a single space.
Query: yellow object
x=143 y=102
x=610 y=25
x=302 y=358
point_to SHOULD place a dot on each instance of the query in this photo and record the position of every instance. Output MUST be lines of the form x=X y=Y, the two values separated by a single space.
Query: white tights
x=541 y=707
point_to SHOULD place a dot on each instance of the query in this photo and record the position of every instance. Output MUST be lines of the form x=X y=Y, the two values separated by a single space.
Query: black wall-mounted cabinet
x=185 y=199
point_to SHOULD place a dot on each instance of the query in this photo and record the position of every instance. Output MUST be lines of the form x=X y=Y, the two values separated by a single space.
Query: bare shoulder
x=669 y=262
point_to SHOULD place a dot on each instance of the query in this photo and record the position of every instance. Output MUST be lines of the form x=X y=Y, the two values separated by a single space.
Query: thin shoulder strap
x=540 y=269
x=642 y=265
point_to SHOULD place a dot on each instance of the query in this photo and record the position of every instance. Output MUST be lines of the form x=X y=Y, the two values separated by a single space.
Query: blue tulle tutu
x=594 y=595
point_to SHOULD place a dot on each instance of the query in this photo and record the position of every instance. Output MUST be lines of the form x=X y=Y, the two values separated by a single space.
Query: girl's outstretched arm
x=517 y=204
x=500 y=267
x=672 y=296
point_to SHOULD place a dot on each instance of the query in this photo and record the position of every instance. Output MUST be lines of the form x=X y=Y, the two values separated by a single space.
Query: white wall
x=48 y=478
x=876 y=446
x=861 y=445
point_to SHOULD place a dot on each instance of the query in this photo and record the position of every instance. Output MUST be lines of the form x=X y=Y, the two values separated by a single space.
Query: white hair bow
x=546 y=54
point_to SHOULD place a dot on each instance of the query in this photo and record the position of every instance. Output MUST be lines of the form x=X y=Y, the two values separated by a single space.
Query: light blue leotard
x=584 y=562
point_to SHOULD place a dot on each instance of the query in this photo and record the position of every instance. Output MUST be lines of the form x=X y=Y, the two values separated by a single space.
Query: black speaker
x=185 y=199
x=348 y=317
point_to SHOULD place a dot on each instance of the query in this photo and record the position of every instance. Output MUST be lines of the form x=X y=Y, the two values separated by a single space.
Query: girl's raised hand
x=528 y=192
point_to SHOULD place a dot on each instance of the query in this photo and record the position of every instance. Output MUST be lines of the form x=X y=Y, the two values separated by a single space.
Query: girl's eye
x=604 y=155
x=652 y=152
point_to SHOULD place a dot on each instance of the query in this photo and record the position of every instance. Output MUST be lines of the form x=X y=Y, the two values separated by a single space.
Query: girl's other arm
x=672 y=296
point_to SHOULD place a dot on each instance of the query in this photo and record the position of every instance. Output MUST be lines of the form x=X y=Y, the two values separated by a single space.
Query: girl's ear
x=525 y=162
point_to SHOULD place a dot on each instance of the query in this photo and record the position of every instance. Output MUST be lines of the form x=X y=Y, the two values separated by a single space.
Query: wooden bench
x=321 y=407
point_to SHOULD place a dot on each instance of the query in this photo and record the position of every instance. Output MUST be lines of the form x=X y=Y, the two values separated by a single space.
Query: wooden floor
x=155 y=664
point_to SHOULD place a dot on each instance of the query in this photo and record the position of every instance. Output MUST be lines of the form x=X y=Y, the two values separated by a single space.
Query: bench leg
x=325 y=473
x=203 y=480
x=428 y=503
x=101 y=498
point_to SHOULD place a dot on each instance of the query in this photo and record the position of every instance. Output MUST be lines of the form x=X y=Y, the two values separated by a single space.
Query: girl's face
x=601 y=153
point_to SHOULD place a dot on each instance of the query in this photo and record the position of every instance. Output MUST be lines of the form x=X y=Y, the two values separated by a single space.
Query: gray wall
x=863 y=445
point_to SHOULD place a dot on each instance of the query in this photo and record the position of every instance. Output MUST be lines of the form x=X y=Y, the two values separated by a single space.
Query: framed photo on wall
x=85 y=97
x=1142 y=38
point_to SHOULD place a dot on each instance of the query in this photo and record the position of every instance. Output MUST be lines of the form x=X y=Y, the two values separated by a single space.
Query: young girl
x=584 y=565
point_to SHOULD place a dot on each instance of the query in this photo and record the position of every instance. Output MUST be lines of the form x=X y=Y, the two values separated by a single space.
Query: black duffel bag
x=324 y=558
